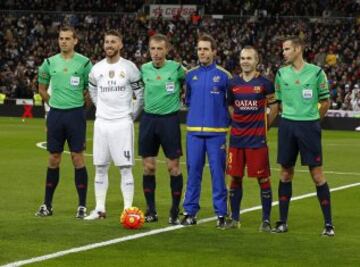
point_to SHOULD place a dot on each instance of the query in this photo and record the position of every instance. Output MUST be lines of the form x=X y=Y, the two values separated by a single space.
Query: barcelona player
x=249 y=97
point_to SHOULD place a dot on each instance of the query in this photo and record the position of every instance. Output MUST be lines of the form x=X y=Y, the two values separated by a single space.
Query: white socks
x=101 y=186
x=127 y=186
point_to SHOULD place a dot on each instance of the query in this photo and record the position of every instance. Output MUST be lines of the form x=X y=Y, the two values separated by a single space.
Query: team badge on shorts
x=111 y=74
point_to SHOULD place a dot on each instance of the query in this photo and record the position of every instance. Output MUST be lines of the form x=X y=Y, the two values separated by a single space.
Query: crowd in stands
x=226 y=7
x=28 y=38
x=73 y=5
x=276 y=7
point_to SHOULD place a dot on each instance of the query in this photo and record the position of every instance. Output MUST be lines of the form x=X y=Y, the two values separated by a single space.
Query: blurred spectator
x=331 y=58
x=347 y=99
x=355 y=103
x=320 y=57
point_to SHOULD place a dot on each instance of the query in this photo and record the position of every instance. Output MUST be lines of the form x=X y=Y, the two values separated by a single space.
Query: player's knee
x=101 y=172
x=127 y=177
x=173 y=166
x=317 y=176
x=149 y=168
x=236 y=182
x=78 y=160
x=54 y=160
x=286 y=174
x=126 y=171
x=174 y=170
x=264 y=183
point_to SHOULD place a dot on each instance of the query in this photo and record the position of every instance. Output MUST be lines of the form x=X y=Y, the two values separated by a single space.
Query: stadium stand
x=29 y=36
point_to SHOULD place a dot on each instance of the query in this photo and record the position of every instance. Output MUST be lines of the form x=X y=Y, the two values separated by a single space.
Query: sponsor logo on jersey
x=122 y=74
x=195 y=78
x=246 y=104
x=216 y=79
x=215 y=90
x=111 y=74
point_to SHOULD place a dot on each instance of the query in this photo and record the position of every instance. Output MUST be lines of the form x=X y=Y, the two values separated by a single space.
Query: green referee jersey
x=301 y=91
x=68 y=78
x=162 y=87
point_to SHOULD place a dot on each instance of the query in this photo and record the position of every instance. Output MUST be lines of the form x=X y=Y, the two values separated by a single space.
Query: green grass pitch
x=24 y=236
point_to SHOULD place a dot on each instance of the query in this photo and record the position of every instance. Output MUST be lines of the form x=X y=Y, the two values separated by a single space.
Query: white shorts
x=113 y=139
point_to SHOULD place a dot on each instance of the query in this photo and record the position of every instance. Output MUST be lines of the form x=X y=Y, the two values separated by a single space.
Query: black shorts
x=66 y=125
x=299 y=136
x=156 y=130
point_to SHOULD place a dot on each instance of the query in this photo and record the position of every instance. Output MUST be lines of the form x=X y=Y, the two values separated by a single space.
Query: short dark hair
x=68 y=28
x=114 y=33
x=252 y=48
x=158 y=37
x=208 y=38
x=295 y=40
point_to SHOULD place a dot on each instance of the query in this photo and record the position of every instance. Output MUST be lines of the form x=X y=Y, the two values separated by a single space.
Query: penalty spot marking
x=150 y=233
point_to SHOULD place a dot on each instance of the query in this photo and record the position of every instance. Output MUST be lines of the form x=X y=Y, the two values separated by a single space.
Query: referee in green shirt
x=303 y=93
x=160 y=124
x=68 y=74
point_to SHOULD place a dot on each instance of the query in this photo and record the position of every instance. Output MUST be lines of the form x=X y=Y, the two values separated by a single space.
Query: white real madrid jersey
x=111 y=88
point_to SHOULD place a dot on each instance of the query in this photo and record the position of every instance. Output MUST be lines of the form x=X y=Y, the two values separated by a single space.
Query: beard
x=111 y=53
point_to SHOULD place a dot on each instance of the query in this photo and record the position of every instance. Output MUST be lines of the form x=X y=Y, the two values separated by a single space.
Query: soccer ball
x=132 y=218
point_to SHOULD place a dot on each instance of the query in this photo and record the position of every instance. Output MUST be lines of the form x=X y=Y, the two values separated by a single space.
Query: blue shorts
x=299 y=136
x=66 y=125
x=156 y=130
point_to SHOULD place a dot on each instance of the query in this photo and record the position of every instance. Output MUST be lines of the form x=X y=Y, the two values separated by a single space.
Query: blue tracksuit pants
x=197 y=147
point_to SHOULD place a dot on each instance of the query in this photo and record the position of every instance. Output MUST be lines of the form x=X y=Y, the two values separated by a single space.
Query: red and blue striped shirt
x=249 y=124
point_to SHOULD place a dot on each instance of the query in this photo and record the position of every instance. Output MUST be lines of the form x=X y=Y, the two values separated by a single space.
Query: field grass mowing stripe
x=150 y=233
x=42 y=145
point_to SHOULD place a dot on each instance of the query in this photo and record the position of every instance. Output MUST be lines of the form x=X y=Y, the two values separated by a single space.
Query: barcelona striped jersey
x=248 y=99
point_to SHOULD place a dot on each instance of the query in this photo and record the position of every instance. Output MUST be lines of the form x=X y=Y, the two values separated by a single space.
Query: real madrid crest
x=111 y=74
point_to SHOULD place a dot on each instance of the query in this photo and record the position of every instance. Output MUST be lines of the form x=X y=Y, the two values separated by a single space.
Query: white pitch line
x=42 y=145
x=150 y=233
